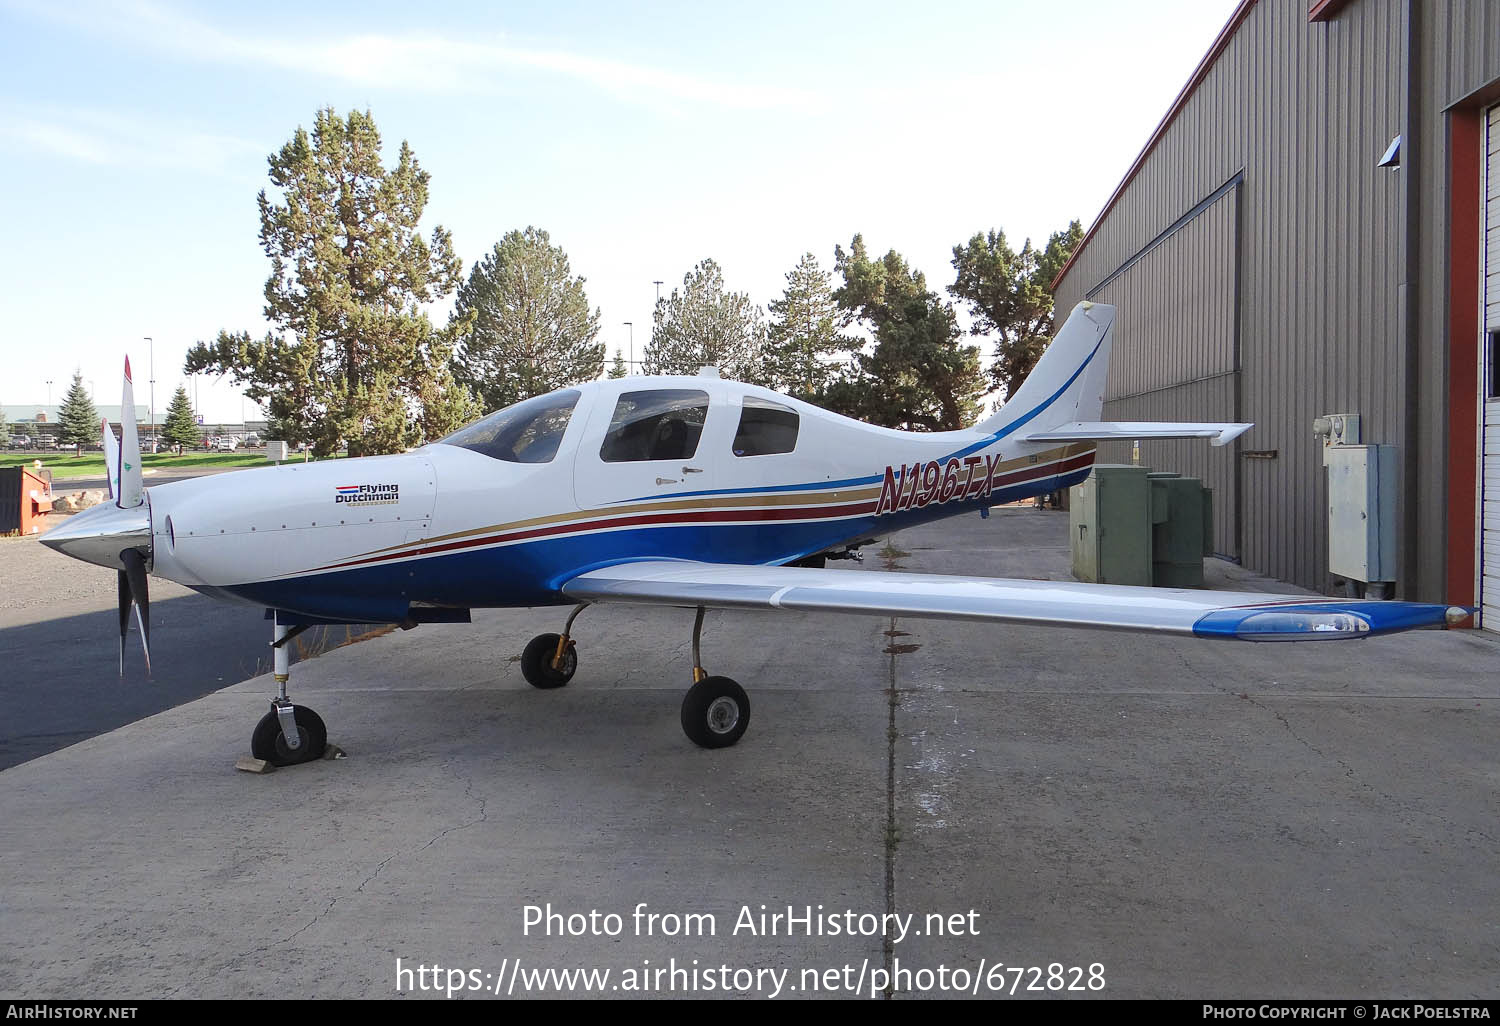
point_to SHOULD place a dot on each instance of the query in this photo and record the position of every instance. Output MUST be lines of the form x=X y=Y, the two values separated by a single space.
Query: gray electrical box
x=1109 y=520
x=1362 y=511
x=276 y=451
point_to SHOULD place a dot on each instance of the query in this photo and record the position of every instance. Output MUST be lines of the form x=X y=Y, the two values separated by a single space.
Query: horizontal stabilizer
x=1126 y=430
x=1204 y=614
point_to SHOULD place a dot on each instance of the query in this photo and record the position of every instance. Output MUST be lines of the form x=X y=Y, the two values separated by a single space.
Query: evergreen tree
x=618 y=368
x=79 y=420
x=804 y=349
x=181 y=427
x=1010 y=297
x=4 y=428
x=702 y=325
x=353 y=358
x=919 y=376
x=523 y=323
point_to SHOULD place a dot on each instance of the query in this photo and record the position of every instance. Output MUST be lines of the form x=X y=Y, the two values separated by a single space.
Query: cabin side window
x=766 y=428
x=664 y=424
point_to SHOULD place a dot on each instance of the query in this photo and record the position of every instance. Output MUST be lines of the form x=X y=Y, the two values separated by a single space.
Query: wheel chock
x=250 y=764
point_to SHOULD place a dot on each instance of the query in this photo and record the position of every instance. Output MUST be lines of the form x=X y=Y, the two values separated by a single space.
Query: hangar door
x=1489 y=588
x=1176 y=355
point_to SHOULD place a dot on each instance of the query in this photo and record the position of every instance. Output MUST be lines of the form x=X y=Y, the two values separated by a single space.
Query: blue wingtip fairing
x=1326 y=621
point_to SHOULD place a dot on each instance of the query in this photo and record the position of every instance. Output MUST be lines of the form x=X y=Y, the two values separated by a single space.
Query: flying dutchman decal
x=368 y=494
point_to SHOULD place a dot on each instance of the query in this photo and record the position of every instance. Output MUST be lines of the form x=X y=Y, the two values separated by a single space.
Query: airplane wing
x=1207 y=614
x=1125 y=430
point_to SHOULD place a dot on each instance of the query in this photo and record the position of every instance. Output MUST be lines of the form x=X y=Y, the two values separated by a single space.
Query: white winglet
x=1125 y=430
x=132 y=491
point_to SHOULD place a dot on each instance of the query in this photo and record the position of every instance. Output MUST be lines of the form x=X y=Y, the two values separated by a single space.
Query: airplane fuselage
x=449 y=526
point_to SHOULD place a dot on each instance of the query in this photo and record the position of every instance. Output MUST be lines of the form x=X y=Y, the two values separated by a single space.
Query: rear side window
x=766 y=428
x=664 y=424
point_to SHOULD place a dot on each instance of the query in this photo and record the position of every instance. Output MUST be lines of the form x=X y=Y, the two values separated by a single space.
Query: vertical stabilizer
x=1067 y=383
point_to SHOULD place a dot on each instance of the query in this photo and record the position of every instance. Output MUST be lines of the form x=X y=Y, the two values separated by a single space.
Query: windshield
x=528 y=432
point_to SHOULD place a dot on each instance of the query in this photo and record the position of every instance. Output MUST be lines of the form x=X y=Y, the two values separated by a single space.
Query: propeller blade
x=111 y=458
x=133 y=579
x=124 y=588
x=132 y=483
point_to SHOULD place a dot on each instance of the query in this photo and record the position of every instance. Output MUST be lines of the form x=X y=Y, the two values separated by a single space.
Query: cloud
x=105 y=137
x=418 y=61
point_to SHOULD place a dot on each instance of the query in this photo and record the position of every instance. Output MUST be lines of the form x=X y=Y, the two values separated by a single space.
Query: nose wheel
x=270 y=740
x=288 y=734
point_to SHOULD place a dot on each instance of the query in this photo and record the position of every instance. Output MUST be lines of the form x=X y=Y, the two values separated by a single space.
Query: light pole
x=658 y=290
x=49 y=391
x=151 y=371
x=631 y=326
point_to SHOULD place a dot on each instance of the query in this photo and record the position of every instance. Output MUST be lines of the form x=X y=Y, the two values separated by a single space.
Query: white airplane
x=681 y=491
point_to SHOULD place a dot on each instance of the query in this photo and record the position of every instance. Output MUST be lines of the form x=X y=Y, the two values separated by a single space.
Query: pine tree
x=181 y=427
x=804 y=349
x=919 y=377
x=79 y=419
x=523 y=322
x=618 y=368
x=703 y=325
x=353 y=358
x=1010 y=297
x=4 y=428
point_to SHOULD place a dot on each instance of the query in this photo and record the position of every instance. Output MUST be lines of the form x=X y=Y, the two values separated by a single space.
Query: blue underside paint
x=531 y=573
x=1318 y=619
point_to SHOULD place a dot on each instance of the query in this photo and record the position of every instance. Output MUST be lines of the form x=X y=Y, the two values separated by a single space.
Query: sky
x=643 y=136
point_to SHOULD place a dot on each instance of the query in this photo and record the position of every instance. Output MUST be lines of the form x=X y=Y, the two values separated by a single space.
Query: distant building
x=1314 y=228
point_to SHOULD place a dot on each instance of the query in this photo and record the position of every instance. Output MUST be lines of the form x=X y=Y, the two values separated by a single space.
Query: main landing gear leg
x=288 y=734
x=716 y=710
x=550 y=660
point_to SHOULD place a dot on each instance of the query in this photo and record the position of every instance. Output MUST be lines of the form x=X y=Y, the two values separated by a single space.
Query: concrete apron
x=1194 y=818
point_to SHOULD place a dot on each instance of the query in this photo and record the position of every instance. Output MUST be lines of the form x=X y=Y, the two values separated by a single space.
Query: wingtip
x=127 y=370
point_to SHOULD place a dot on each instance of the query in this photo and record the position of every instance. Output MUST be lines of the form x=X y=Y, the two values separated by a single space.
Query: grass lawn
x=64 y=465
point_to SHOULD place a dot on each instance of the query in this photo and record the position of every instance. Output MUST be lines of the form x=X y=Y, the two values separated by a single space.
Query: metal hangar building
x=1314 y=229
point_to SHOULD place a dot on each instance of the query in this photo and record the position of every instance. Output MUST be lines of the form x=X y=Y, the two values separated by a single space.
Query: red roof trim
x=1323 y=10
x=1220 y=43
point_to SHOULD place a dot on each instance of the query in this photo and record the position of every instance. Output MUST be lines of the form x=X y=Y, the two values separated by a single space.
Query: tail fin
x=1067 y=383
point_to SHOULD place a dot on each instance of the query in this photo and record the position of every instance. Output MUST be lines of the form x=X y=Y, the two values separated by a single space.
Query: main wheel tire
x=536 y=662
x=269 y=743
x=715 y=712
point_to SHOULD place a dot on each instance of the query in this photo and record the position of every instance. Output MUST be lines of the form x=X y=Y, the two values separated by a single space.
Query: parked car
x=227 y=444
x=20 y=441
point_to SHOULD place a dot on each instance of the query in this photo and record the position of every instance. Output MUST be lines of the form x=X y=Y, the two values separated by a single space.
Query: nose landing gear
x=288 y=734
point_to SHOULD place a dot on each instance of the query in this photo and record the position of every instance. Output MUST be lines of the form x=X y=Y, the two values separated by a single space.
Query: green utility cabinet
x=1110 y=526
x=1181 y=530
x=1129 y=525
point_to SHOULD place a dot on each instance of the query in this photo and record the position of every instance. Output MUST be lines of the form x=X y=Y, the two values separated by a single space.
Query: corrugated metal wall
x=1175 y=352
x=1303 y=111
